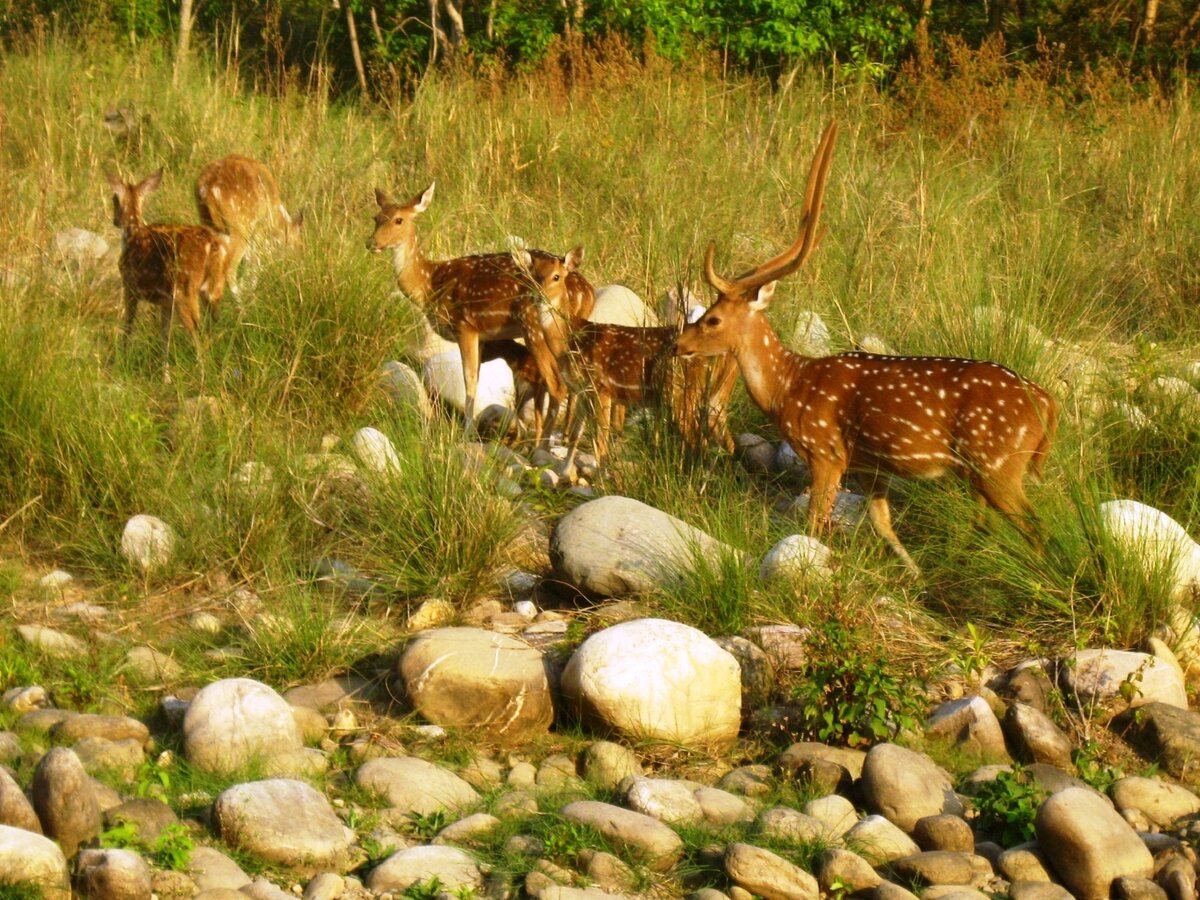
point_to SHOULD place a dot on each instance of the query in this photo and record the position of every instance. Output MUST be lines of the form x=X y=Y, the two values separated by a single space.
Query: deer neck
x=414 y=272
x=768 y=367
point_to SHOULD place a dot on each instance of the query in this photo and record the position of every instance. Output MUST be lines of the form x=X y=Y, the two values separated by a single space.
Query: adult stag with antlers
x=471 y=299
x=878 y=416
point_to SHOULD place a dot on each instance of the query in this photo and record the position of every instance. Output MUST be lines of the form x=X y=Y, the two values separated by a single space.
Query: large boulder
x=26 y=857
x=767 y=874
x=65 y=800
x=906 y=786
x=453 y=868
x=613 y=546
x=1088 y=843
x=1155 y=541
x=472 y=678
x=114 y=875
x=1117 y=679
x=236 y=722
x=643 y=836
x=657 y=680
x=15 y=808
x=970 y=724
x=444 y=380
x=618 y=305
x=148 y=542
x=283 y=821
x=413 y=785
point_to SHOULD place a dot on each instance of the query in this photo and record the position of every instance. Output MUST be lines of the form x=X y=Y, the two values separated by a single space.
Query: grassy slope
x=1079 y=221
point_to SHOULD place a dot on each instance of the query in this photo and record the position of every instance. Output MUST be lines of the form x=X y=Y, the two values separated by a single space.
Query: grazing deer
x=238 y=196
x=608 y=368
x=471 y=299
x=173 y=266
x=911 y=416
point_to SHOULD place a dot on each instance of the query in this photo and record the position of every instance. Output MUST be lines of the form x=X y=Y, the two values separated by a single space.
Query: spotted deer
x=473 y=299
x=238 y=196
x=171 y=266
x=608 y=368
x=877 y=416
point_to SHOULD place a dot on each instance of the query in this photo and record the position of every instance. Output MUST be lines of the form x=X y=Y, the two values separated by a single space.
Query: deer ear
x=115 y=182
x=763 y=296
x=426 y=198
x=522 y=258
x=382 y=199
x=150 y=184
x=298 y=219
x=574 y=258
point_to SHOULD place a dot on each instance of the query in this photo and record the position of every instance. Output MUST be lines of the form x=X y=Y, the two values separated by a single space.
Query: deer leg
x=468 y=347
x=547 y=367
x=1008 y=497
x=880 y=513
x=825 y=480
x=604 y=417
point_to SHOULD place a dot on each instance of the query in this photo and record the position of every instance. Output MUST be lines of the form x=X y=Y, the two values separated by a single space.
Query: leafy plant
x=1093 y=769
x=426 y=825
x=424 y=890
x=850 y=693
x=1008 y=805
x=171 y=849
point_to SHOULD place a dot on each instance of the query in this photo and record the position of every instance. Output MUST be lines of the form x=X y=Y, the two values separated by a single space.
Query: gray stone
x=1035 y=738
x=283 y=821
x=944 y=832
x=906 y=786
x=697 y=685
x=1162 y=803
x=1131 y=887
x=29 y=857
x=65 y=801
x=657 y=844
x=148 y=666
x=148 y=542
x=415 y=786
x=767 y=874
x=469 y=830
x=53 y=643
x=211 y=869
x=836 y=866
x=111 y=728
x=1038 y=890
x=1169 y=736
x=879 y=841
x=794 y=756
x=326 y=886
x=1118 y=679
x=403 y=384
x=102 y=755
x=607 y=764
x=15 y=808
x=477 y=679
x=613 y=546
x=236 y=722
x=758 y=675
x=942 y=867
x=834 y=811
x=21 y=700
x=113 y=875
x=971 y=726
x=1088 y=843
x=149 y=816
x=782 y=823
x=452 y=867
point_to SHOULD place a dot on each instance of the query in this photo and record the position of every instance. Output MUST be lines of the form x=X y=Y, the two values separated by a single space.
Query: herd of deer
x=873 y=415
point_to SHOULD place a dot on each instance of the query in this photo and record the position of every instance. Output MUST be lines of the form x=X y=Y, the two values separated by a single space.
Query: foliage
x=1007 y=806
x=171 y=849
x=21 y=890
x=426 y=825
x=850 y=693
x=1092 y=767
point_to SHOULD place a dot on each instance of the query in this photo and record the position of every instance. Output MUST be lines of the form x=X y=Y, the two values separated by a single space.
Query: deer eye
x=399 y=220
x=712 y=321
x=557 y=277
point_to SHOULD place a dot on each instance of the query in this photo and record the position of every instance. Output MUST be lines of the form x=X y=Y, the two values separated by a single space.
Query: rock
x=1155 y=540
x=1038 y=890
x=721 y=808
x=29 y=857
x=326 y=886
x=236 y=722
x=655 y=843
x=403 y=385
x=261 y=889
x=768 y=875
x=413 y=785
x=614 y=546
x=283 y=821
x=797 y=557
x=15 y=809
x=606 y=764
x=618 y=305
x=944 y=832
x=697 y=691
x=811 y=335
x=795 y=756
x=846 y=869
x=102 y=755
x=112 y=728
x=1121 y=679
x=606 y=871
x=453 y=868
x=375 y=451
x=482 y=773
x=848 y=512
x=1088 y=843
x=56 y=580
x=758 y=675
x=835 y=812
x=874 y=343
x=477 y=679
x=150 y=817
x=1162 y=803
x=906 y=786
x=113 y=875
x=1024 y=862
x=80 y=246
x=786 y=646
x=21 y=700
x=879 y=841
x=747 y=781
x=970 y=725
x=1035 y=738
x=65 y=801
x=148 y=666
x=942 y=867
x=147 y=542
x=443 y=378
x=332 y=693
x=1167 y=735
x=1130 y=887
x=785 y=824
x=53 y=643
x=468 y=830
x=557 y=771
x=213 y=870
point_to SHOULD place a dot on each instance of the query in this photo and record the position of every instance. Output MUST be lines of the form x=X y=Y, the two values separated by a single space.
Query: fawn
x=172 y=266
x=472 y=299
x=238 y=196
x=878 y=416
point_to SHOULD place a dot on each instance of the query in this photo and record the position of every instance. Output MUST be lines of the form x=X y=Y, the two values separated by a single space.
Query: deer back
x=239 y=196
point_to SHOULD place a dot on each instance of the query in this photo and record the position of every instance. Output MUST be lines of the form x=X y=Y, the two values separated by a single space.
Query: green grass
x=1058 y=238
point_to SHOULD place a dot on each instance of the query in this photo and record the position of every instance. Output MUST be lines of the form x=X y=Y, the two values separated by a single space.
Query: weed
x=1093 y=769
x=21 y=890
x=171 y=849
x=426 y=825
x=1007 y=806
x=424 y=890
x=850 y=693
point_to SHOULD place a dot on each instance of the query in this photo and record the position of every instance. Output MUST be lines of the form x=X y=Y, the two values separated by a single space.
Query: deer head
x=395 y=225
x=127 y=198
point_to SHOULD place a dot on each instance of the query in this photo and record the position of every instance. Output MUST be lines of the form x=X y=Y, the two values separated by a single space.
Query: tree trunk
x=355 y=51
x=458 y=34
x=1149 y=21
x=186 y=17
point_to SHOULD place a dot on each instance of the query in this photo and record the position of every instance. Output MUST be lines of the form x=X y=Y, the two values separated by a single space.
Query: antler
x=797 y=254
